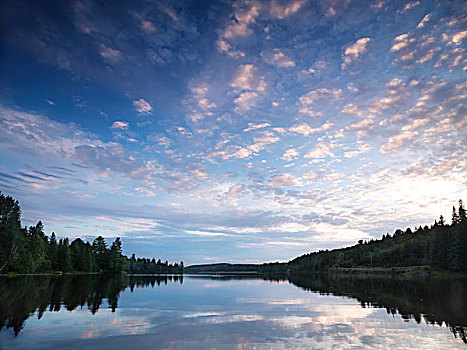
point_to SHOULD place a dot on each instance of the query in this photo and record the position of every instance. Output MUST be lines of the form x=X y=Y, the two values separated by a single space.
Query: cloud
x=415 y=124
x=249 y=85
x=199 y=174
x=350 y=108
x=199 y=105
x=362 y=148
x=321 y=150
x=306 y=129
x=290 y=154
x=282 y=9
x=278 y=59
x=436 y=47
x=111 y=156
x=243 y=18
x=410 y=5
x=458 y=37
x=120 y=125
x=110 y=54
x=245 y=78
x=272 y=65
x=396 y=142
x=302 y=128
x=378 y=4
x=320 y=94
x=234 y=193
x=284 y=180
x=424 y=21
x=225 y=47
x=146 y=25
x=328 y=233
x=310 y=176
x=362 y=127
x=253 y=126
x=39 y=134
x=245 y=101
x=142 y=106
x=238 y=26
x=354 y=51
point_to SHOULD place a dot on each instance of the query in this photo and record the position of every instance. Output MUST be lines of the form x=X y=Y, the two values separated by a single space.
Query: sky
x=233 y=131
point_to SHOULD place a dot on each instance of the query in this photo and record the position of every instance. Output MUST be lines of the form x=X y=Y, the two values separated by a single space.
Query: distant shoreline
x=407 y=272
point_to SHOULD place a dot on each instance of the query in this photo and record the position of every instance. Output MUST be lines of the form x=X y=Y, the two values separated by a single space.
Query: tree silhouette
x=462 y=214
x=455 y=216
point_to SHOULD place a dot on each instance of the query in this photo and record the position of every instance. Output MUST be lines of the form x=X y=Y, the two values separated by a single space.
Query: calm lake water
x=205 y=312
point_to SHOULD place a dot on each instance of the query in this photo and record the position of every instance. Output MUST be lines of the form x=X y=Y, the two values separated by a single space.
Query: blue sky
x=233 y=130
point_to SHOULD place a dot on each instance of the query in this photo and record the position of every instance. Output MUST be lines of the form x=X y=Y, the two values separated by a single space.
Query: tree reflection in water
x=441 y=302
x=437 y=301
x=22 y=297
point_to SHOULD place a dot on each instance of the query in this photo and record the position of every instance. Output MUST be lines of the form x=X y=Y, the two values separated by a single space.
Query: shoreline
x=409 y=271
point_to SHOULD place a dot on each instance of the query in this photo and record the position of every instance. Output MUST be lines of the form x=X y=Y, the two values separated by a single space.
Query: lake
x=215 y=312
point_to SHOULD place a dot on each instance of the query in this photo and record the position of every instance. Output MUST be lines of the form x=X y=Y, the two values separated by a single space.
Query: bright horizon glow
x=238 y=131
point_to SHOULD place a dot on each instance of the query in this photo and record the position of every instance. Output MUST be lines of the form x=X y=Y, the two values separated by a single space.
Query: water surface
x=206 y=312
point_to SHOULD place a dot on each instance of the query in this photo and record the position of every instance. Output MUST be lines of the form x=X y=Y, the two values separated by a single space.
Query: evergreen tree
x=78 y=253
x=455 y=216
x=441 y=220
x=89 y=259
x=116 y=261
x=64 y=256
x=101 y=252
x=52 y=252
x=38 y=248
x=462 y=214
x=10 y=235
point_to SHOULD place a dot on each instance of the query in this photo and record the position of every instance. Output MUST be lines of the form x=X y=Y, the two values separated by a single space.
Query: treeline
x=266 y=269
x=151 y=266
x=30 y=250
x=440 y=246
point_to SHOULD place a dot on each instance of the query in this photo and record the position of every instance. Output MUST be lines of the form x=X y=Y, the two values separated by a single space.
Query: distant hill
x=266 y=268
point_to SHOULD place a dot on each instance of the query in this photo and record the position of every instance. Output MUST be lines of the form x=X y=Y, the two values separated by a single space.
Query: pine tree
x=455 y=216
x=101 y=253
x=11 y=242
x=115 y=255
x=462 y=214
x=64 y=256
x=52 y=252
x=441 y=220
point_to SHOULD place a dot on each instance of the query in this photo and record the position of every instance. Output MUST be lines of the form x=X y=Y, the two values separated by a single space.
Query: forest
x=440 y=246
x=30 y=250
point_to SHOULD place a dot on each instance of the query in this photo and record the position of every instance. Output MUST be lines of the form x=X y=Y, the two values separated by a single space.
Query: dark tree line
x=146 y=265
x=265 y=269
x=30 y=250
x=441 y=246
